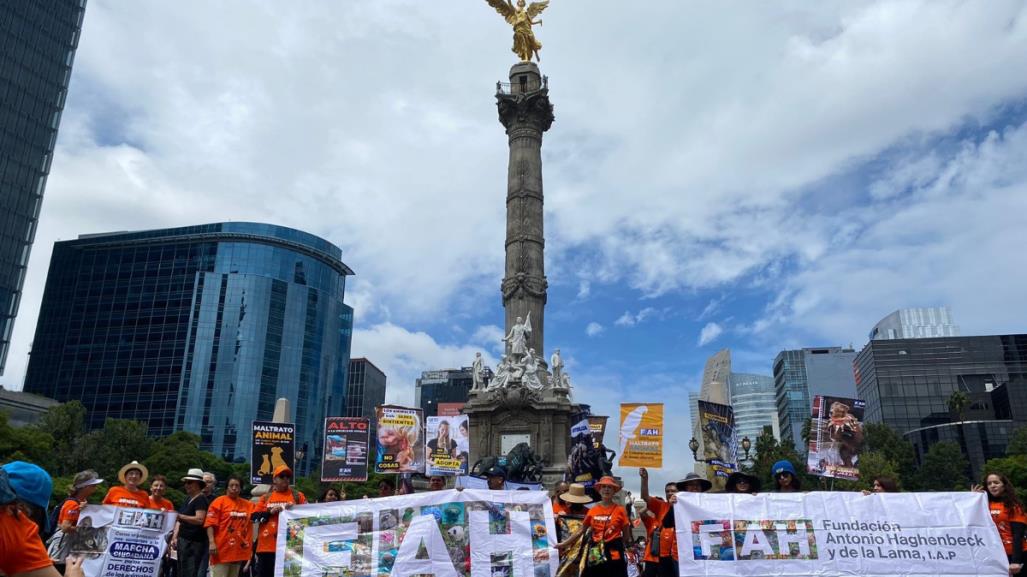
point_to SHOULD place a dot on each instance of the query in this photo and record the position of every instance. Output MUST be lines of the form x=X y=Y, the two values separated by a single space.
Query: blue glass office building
x=38 y=39
x=198 y=328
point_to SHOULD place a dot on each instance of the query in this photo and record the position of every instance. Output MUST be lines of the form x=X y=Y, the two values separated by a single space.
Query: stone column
x=525 y=111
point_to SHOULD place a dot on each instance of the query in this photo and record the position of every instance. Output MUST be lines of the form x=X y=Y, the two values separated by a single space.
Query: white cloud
x=709 y=333
x=584 y=289
x=593 y=329
x=629 y=320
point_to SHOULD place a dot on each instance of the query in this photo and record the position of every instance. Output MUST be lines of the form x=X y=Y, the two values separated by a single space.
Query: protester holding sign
x=82 y=487
x=229 y=531
x=610 y=529
x=129 y=494
x=659 y=538
x=1008 y=515
x=281 y=498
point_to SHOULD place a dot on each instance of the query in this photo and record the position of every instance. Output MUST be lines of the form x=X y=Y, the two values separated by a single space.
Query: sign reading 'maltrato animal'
x=469 y=533
x=838 y=534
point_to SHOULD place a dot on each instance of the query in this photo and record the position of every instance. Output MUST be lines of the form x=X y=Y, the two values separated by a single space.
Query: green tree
x=958 y=402
x=872 y=464
x=119 y=442
x=1014 y=467
x=1017 y=442
x=882 y=439
x=944 y=469
x=67 y=424
x=24 y=444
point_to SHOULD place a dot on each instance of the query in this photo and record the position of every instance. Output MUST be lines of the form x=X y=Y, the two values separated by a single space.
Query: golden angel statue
x=522 y=18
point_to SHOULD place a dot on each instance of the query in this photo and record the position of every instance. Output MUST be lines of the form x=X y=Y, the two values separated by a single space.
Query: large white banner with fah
x=120 y=542
x=469 y=533
x=838 y=534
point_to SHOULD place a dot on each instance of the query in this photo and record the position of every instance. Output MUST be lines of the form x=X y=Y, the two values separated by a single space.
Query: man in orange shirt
x=266 y=512
x=657 y=536
x=158 y=485
x=229 y=530
x=129 y=495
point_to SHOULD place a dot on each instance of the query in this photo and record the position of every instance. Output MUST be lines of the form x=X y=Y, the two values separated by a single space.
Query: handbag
x=57 y=547
x=596 y=554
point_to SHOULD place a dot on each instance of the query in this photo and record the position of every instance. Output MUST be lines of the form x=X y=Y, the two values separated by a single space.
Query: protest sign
x=472 y=482
x=449 y=409
x=399 y=445
x=641 y=435
x=120 y=541
x=836 y=437
x=597 y=424
x=467 y=533
x=442 y=450
x=345 y=446
x=274 y=444
x=838 y=534
x=717 y=423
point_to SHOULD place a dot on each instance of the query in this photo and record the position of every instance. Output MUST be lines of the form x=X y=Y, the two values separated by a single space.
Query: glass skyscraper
x=199 y=328
x=365 y=390
x=38 y=39
x=800 y=375
x=752 y=398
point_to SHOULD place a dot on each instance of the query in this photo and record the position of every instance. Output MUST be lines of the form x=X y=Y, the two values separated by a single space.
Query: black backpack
x=53 y=518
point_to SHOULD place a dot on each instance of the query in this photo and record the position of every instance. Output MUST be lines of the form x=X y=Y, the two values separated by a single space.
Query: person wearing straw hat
x=190 y=539
x=610 y=527
x=575 y=497
x=129 y=494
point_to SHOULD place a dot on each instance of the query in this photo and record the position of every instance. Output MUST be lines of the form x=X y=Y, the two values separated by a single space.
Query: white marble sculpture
x=530 y=372
x=516 y=341
x=502 y=375
x=477 y=373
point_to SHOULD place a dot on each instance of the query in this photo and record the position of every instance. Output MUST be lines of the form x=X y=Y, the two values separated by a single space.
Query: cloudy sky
x=759 y=177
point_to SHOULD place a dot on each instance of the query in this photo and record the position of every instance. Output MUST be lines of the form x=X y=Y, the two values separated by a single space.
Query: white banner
x=838 y=534
x=119 y=541
x=469 y=533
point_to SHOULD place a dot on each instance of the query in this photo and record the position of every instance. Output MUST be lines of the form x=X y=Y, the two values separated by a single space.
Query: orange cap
x=282 y=470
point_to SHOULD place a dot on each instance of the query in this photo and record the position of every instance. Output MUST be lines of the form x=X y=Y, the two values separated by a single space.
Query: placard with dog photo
x=835 y=437
x=274 y=444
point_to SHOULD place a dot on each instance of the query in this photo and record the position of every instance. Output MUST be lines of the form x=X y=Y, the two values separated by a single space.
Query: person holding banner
x=229 y=530
x=266 y=513
x=739 y=482
x=1008 y=515
x=129 y=494
x=610 y=527
x=785 y=479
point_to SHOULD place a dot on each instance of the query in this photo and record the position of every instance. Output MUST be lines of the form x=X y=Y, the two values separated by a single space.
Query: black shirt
x=190 y=507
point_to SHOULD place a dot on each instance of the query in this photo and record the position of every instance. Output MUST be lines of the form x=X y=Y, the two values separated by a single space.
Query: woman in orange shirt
x=1008 y=515
x=280 y=498
x=130 y=495
x=158 y=486
x=229 y=531
x=82 y=486
x=610 y=530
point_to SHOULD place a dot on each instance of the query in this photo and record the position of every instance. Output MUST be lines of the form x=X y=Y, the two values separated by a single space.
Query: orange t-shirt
x=122 y=497
x=69 y=512
x=559 y=508
x=267 y=534
x=21 y=549
x=668 y=538
x=230 y=519
x=161 y=504
x=1004 y=521
x=607 y=522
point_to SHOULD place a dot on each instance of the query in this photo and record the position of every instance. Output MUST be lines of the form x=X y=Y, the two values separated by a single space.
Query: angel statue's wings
x=535 y=8
x=505 y=8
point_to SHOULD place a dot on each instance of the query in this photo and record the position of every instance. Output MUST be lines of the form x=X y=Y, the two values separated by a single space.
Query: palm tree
x=958 y=402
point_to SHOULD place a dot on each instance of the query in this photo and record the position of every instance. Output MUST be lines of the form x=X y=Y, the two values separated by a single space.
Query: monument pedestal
x=501 y=418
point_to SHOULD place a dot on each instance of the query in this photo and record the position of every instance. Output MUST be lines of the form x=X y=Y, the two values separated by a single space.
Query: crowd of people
x=229 y=535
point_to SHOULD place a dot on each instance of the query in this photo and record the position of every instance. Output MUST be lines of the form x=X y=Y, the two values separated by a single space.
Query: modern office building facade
x=755 y=405
x=198 y=328
x=442 y=386
x=916 y=323
x=365 y=389
x=800 y=375
x=907 y=384
x=38 y=40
